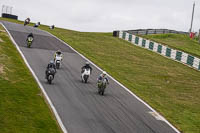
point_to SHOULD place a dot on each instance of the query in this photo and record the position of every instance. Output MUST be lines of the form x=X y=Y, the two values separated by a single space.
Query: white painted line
x=40 y=85
x=157 y=116
x=176 y=130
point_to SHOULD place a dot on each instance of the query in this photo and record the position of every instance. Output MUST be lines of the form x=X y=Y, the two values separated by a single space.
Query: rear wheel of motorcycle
x=57 y=66
x=86 y=80
x=49 y=81
x=102 y=92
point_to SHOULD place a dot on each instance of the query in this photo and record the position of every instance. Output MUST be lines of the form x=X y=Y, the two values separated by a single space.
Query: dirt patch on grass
x=3 y=73
x=1 y=69
x=1 y=40
x=3 y=57
x=2 y=31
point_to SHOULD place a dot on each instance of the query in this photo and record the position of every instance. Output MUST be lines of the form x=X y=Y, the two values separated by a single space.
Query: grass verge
x=22 y=106
x=177 y=41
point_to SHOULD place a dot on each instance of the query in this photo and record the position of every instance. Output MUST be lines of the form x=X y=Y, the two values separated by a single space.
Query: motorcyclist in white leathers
x=58 y=53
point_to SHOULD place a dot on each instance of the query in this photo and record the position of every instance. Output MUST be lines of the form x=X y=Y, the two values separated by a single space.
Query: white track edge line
x=37 y=80
x=139 y=99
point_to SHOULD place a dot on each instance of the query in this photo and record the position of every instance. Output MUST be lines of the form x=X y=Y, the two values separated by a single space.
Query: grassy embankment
x=177 y=41
x=168 y=86
x=22 y=106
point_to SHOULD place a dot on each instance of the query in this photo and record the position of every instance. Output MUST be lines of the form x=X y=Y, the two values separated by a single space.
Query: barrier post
x=199 y=35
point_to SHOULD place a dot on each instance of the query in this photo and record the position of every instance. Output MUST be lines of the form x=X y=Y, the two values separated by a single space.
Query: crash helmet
x=58 y=51
x=87 y=63
x=104 y=73
x=51 y=62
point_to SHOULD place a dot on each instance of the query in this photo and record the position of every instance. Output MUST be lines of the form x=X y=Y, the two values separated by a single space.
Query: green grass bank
x=22 y=106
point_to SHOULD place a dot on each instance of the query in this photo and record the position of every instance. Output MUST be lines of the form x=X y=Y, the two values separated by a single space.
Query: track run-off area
x=77 y=106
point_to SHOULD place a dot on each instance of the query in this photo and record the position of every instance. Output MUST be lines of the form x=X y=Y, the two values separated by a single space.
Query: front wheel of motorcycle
x=99 y=91
x=86 y=80
x=102 y=93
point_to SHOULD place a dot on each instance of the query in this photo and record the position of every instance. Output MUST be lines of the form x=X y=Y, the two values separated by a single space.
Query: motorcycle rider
x=86 y=66
x=36 y=24
x=27 y=21
x=30 y=35
x=101 y=76
x=50 y=65
x=58 y=53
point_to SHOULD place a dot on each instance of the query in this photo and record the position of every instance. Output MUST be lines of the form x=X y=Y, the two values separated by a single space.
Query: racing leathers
x=49 y=66
x=86 y=67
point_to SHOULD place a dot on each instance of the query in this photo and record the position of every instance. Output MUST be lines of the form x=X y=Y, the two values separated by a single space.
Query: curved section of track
x=81 y=109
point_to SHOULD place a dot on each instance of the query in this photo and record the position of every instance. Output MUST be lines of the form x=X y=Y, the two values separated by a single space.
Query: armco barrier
x=177 y=55
x=154 y=31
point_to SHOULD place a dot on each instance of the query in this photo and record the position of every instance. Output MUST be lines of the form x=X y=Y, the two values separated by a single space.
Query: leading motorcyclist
x=86 y=66
x=27 y=21
x=50 y=65
x=58 y=53
x=101 y=77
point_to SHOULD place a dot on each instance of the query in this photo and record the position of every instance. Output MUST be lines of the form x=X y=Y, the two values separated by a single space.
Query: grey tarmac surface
x=80 y=107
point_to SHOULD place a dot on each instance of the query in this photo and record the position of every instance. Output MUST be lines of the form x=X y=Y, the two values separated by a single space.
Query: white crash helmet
x=104 y=73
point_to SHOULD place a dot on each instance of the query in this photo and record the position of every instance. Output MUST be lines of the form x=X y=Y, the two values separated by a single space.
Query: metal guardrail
x=155 y=31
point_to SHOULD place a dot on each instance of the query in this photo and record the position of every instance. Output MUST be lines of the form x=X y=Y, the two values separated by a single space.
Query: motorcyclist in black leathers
x=30 y=35
x=87 y=65
x=51 y=65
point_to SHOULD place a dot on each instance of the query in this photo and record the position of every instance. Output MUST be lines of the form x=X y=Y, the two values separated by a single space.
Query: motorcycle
x=102 y=86
x=50 y=75
x=58 y=61
x=85 y=75
x=27 y=21
x=29 y=41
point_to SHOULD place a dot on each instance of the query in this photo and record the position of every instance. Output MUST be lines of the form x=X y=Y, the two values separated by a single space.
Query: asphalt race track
x=79 y=106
